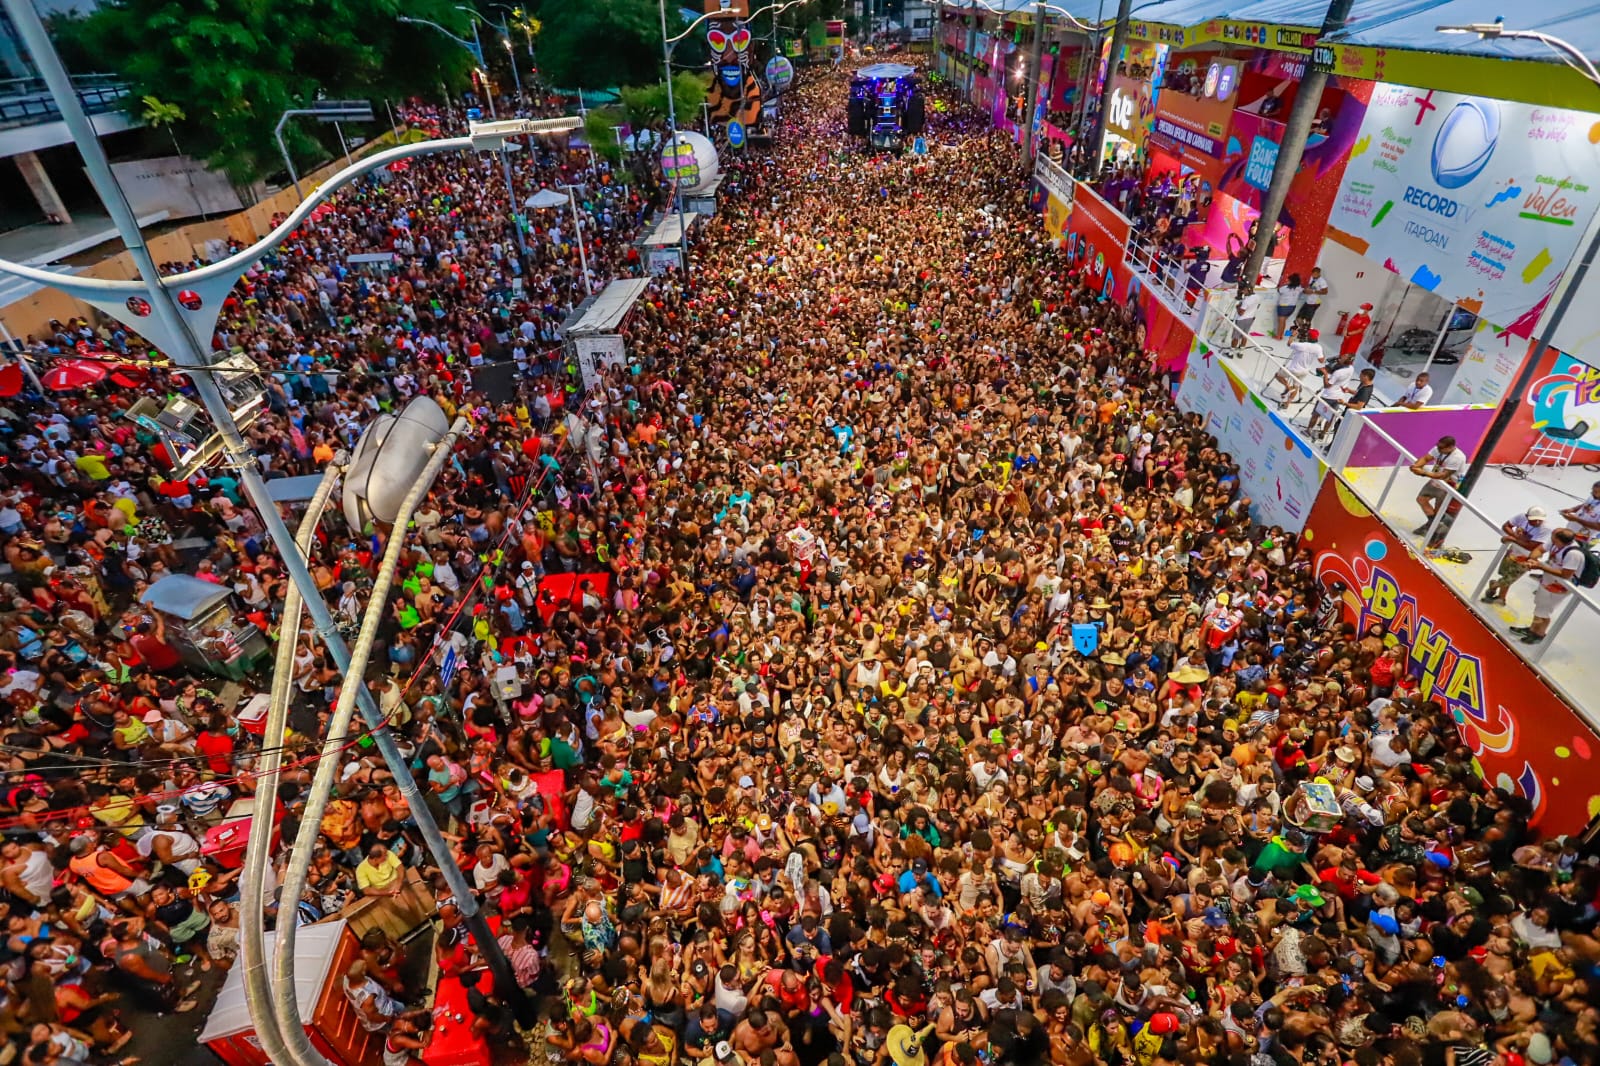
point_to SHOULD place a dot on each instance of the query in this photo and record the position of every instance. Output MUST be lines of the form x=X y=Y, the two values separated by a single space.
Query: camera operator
x=1305 y=357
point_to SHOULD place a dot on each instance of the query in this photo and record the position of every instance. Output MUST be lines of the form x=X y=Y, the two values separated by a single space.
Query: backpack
x=1589 y=573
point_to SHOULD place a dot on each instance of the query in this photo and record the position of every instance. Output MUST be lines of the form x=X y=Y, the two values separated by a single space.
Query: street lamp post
x=176 y=329
x=473 y=47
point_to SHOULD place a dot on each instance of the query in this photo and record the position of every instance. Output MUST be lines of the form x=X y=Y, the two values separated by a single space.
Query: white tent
x=314 y=948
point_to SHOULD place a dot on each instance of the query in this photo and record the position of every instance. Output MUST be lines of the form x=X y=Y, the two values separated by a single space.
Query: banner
x=1564 y=396
x=1525 y=739
x=1048 y=173
x=1096 y=236
x=1195 y=104
x=1491 y=360
x=1480 y=201
x=1277 y=470
x=1253 y=139
x=1131 y=110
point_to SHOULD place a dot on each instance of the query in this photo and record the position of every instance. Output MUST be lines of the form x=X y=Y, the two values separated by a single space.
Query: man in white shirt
x=1245 y=307
x=1336 y=388
x=1563 y=563
x=1417 y=395
x=1584 y=518
x=1525 y=536
x=1304 y=358
x=1443 y=467
x=1311 y=296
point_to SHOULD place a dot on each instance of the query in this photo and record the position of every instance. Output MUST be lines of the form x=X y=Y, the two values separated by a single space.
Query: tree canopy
x=599 y=44
x=234 y=66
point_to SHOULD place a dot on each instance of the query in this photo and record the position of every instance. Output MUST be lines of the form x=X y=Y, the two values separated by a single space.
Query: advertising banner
x=1195 y=104
x=1097 y=235
x=1565 y=397
x=1480 y=201
x=1491 y=360
x=1131 y=110
x=1252 y=152
x=1525 y=739
x=1278 y=471
x=1048 y=173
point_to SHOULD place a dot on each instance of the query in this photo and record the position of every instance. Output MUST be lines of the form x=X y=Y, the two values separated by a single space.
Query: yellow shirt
x=93 y=465
x=380 y=876
x=119 y=813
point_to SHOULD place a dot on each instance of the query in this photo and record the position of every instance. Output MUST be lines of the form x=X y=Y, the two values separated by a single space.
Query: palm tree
x=158 y=114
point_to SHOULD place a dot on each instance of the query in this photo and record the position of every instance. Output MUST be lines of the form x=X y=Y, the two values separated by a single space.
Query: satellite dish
x=387 y=461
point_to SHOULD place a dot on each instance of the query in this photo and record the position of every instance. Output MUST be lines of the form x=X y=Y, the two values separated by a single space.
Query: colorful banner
x=1056 y=181
x=1131 y=110
x=1564 y=396
x=1525 y=739
x=1195 y=104
x=1491 y=361
x=1415 y=431
x=1278 y=471
x=1252 y=153
x=1097 y=234
x=1228 y=31
x=1478 y=200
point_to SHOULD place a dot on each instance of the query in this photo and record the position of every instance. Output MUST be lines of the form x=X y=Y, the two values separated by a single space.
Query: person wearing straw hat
x=905 y=1045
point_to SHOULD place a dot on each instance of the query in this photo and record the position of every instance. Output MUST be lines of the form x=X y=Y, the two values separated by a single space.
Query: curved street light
x=173 y=313
x=1570 y=53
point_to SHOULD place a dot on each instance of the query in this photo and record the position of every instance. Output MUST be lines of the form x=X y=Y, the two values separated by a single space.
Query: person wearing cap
x=1526 y=537
x=1557 y=569
x=169 y=844
x=1305 y=356
x=1355 y=330
x=1288 y=299
x=1336 y=388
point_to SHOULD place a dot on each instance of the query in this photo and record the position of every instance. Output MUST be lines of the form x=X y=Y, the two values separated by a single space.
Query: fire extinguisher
x=1344 y=316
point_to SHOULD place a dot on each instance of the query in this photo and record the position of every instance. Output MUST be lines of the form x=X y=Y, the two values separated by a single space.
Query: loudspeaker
x=498 y=381
x=915 y=117
x=856 y=118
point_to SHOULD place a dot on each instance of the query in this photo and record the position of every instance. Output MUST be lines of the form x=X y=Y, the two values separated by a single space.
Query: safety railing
x=1168 y=276
x=1265 y=370
x=27 y=102
x=1463 y=545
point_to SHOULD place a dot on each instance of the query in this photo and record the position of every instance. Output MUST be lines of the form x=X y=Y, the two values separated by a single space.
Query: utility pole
x=1035 y=68
x=1119 y=37
x=1088 y=62
x=1292 y=147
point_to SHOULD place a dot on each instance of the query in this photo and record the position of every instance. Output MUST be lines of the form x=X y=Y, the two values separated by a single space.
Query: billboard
x=1523 y=737
x=1195 y=104
x=1277 y=469
x=1564 y=396
x=1480 y=201
x=1130 y=113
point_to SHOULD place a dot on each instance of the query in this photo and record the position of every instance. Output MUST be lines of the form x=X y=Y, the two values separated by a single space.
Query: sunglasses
x=720 y=40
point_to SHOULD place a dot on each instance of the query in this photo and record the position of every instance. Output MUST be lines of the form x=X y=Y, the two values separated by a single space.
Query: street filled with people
x=918 y=686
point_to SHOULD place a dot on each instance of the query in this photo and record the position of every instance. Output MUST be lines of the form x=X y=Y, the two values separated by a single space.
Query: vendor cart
x=205 y=625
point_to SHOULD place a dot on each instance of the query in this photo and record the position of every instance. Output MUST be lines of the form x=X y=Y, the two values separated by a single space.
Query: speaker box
x=856 y=118
x=915 y=117
x=498 y=381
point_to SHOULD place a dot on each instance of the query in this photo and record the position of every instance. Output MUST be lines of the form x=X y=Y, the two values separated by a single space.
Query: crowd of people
x=925 y=691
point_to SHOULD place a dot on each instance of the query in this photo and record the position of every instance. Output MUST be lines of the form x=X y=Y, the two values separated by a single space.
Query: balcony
x=30 y=120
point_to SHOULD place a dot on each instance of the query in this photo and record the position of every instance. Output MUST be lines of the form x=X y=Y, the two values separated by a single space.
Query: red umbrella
x=73 y=374
x=10 y=379
x=130 y=377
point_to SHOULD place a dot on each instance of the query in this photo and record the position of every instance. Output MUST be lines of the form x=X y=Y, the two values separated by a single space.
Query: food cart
x=322 y=954
x=205 y=626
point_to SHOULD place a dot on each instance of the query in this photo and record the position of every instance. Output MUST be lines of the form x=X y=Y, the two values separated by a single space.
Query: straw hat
x=1112 y=658
x=905 y=1045
x=1189 y=675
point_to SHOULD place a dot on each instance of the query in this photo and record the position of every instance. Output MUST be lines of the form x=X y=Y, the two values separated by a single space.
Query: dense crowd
x=927 y=692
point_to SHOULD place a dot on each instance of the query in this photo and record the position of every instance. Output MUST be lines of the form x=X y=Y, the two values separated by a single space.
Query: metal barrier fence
x=1463 y=545
x=1161 y=272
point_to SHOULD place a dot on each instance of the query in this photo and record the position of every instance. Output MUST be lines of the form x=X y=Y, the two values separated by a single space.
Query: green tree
x=597 y=44
x=159 y=115
x=234 y=66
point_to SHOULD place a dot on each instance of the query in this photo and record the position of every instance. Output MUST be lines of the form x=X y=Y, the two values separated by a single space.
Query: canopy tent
x=604 y=312
x=668 y=232
x=1413 y=24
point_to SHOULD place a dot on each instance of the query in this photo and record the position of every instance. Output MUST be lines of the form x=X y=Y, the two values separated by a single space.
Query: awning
x=668 y=232
x=605 y=312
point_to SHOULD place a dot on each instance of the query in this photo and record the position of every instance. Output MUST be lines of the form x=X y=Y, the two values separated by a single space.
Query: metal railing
x=1167 y=275
x=1458 y=521
x=27 y=102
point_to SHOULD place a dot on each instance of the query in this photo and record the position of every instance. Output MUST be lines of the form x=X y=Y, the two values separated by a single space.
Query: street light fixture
x=335 y=111
x=151 y=305
x=1570 y=53
x=474 y=48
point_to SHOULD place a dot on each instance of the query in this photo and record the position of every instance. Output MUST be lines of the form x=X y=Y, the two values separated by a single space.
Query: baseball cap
x=1309 y=894
x=1315 y=334
x=724 y=1051
x=1385 y=922
x=1536 y=514
x=1366 y=307
x=1539 y=1050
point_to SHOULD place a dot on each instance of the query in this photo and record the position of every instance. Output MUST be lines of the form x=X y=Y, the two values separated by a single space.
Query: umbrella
x=73 y=374
x=130 y=377
x=10 y=379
